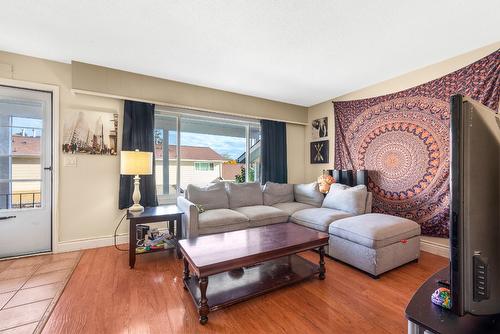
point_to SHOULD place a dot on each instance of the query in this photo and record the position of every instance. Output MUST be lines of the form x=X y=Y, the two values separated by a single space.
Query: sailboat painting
x=90 y=132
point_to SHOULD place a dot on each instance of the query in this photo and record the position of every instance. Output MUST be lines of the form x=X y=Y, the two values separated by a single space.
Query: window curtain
x=273 y=151
x=138 y=128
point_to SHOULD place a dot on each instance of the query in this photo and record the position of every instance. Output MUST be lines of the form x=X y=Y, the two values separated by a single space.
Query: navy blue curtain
x=273 y=151
x=138 y=129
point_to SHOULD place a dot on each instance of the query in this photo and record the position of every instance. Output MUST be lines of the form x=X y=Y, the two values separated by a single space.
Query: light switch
x=70 y=161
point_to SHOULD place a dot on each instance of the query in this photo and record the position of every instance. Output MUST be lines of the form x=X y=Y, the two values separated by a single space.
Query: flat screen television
x=474 y=208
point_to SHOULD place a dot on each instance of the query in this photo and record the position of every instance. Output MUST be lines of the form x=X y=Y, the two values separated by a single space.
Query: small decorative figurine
x=441 y=297
x=324 y=182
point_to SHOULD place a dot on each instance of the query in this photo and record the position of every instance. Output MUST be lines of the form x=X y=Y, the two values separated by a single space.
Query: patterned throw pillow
x=200 y=208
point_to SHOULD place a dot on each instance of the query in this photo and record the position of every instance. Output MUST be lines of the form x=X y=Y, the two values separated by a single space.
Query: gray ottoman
x=374 y=242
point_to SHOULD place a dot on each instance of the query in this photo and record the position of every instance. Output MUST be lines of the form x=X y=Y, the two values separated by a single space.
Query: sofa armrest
x=369 y=200
x=189 y=218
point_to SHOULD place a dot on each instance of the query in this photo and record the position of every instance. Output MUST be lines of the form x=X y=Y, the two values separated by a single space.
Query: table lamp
x=136 y=163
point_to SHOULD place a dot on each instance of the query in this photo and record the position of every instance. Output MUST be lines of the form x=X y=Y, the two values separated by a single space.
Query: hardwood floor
x=105 y=296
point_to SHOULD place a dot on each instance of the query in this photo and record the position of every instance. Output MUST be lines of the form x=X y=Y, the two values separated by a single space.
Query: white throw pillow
x=277 y=193
x=308 y=194
x=211 y=197
x=345 y=198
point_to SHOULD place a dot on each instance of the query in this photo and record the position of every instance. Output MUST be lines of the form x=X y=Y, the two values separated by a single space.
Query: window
x=204 y=166
x=200 y=148
x=20 y=168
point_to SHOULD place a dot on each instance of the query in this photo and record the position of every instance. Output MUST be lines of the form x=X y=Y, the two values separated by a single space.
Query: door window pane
x=20 y=156
x=25 y=194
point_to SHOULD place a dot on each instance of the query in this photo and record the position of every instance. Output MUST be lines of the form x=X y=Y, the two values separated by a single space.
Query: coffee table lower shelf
x=231 y=287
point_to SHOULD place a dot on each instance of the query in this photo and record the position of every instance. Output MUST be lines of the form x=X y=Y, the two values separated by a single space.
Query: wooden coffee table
x=247 y=263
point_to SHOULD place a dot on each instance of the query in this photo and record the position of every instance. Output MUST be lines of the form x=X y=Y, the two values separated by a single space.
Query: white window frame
x=179 y=114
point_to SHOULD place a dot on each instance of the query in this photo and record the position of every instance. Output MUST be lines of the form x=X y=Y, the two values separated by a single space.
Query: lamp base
x=136 y=197
x=136 y=208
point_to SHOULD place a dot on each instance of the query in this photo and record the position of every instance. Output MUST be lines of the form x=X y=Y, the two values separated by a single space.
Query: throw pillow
x=210 y=197
x=308 y=194
x=244 y=194
x=277 y=193
x=345 y=198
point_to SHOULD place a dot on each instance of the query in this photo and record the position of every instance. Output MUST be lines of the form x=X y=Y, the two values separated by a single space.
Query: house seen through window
x=196 y=149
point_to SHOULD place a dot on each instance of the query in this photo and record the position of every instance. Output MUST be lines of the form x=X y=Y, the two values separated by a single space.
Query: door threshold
x=26 y=255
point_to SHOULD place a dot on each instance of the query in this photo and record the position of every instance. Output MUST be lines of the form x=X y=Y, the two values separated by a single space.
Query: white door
x=25 y=171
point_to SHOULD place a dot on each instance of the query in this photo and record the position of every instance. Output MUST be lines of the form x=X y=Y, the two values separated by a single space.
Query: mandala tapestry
x=402 y=139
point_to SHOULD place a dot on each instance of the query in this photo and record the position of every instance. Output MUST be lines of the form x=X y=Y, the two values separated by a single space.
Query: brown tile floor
x=28 y=287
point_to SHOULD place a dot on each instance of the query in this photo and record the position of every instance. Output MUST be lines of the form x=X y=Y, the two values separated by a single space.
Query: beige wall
x=88 y=193
x=396 y=84
x=325 y=109
x=103 y=80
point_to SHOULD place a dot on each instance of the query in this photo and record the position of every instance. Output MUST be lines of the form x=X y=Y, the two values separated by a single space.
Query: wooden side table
x=165 y=213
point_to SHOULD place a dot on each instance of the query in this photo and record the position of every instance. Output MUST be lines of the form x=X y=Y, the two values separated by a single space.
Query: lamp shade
x=136 y=163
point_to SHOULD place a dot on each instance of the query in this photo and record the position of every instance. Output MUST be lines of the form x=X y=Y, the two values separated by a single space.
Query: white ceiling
x=301 y=52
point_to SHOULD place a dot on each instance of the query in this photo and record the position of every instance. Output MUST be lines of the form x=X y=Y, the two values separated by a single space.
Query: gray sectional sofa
x=374 y=243
x=223 y=207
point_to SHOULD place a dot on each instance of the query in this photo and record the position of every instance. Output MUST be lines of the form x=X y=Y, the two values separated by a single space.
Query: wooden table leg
x=204 y=309
x=322 y=269
x=132 y=242
x=171 y=227
x=178 y=234
x=186 y=273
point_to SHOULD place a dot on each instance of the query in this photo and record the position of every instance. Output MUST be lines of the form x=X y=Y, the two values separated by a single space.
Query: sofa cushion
x=220 y=217
x=277 y=193
x=375 y=230
x=292 y=207
x=345 y=198
x=263 y=215
x=244 y=194
x=308 y=194
x=210 y=197
x=318 y=218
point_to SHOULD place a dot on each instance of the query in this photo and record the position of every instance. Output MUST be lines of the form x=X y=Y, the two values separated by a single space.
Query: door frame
x=55 y=147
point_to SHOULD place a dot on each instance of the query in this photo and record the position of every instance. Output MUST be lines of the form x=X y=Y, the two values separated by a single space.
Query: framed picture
x=319 y=152
x=90 y=132
x=319 y=128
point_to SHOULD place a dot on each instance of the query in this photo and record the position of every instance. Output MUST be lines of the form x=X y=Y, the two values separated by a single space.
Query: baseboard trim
x=435 y=248
x=88 y=243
